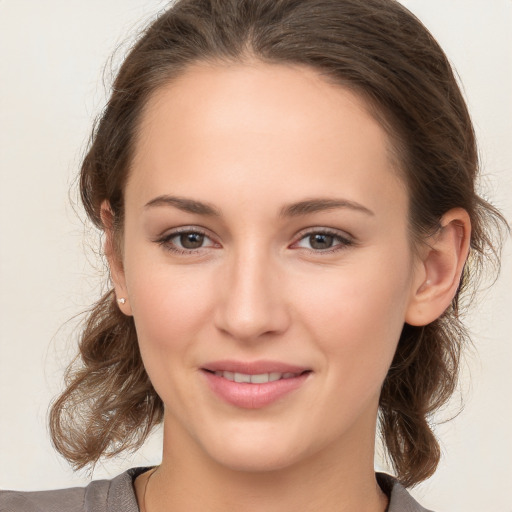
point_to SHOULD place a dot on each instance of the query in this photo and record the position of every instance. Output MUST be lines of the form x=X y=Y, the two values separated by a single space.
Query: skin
x=250 y=140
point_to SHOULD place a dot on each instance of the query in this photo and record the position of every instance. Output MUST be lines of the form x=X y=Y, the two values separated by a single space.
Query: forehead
x=257 y=126
x=254 y=95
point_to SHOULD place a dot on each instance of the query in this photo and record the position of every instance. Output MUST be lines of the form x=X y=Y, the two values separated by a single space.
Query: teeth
x=261 y=378
x=242 y=377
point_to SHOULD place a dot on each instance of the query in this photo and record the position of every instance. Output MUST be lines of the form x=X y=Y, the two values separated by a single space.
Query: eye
x=189 y=240
x=324 y=241
x=186 y=241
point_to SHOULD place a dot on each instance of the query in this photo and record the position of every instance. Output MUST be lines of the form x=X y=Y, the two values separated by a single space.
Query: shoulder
x=399 y=499
x=68 y=500
x=99 y=496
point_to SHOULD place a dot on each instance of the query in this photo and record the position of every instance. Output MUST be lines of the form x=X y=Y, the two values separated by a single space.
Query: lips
x=260 y=378
x=252 y=385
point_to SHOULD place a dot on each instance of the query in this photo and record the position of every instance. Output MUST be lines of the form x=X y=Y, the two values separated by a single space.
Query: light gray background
x=52 y=54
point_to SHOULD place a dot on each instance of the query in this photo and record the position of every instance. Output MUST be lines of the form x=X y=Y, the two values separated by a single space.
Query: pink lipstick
x=252 y=385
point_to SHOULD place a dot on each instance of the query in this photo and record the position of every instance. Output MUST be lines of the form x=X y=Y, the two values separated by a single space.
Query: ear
x=114 y=258
x=440 y=268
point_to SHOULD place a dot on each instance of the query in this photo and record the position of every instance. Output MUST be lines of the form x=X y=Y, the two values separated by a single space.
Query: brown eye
x=321 y=241
x=186 y=242
x=324 y=241
x=191 y=240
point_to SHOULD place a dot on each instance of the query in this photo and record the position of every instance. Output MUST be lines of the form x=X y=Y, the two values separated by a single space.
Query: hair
x=377 y=49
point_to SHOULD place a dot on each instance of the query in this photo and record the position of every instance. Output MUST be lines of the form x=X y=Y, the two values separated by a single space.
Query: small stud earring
x=122 y=300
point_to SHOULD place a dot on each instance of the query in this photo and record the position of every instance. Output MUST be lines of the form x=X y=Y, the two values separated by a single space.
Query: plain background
x=52 y=85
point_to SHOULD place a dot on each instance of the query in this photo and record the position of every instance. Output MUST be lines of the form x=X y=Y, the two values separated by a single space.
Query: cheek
x=169 y=305
x=356 y=314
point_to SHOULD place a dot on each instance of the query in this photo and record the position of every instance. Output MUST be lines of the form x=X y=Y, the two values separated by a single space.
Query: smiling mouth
x=254 y=384
x=261 y=378
x=254 y=390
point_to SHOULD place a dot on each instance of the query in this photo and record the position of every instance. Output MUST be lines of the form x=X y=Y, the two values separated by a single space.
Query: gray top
x=118 y=495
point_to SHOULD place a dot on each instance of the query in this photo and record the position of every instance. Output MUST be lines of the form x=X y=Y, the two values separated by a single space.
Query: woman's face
x=266 y=238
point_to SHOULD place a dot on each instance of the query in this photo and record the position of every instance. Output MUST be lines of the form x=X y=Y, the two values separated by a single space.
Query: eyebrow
x=292 y=210
x=184 y=204
x=321 y=204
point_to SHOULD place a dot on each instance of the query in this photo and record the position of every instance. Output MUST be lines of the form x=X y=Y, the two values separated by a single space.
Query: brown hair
x=376 y=48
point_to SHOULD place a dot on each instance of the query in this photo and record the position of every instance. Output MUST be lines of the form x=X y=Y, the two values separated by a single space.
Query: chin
x=250 y=450
x=255 y=461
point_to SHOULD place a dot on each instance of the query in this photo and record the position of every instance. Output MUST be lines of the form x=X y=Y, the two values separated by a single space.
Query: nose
x=251 y=301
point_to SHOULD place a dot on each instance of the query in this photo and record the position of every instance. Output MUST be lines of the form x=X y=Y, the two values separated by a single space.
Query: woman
x=287 y=195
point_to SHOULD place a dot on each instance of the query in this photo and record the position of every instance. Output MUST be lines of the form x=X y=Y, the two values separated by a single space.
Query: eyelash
x=166 y=243
x=343 y=241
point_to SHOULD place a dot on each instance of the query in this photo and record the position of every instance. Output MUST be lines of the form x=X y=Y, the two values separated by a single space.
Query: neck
x=339 y=478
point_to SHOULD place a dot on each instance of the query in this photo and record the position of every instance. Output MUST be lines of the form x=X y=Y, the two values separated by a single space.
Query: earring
x=122 y=300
